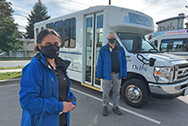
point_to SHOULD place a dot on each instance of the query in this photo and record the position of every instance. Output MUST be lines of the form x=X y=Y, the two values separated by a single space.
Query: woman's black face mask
x=51 y=51
x=112 y=40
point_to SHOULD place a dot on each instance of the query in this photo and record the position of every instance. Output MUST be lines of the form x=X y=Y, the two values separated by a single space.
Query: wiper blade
x=150 y=50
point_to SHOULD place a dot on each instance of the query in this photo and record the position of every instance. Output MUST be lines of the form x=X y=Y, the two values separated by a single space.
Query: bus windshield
x=127 y=40
x=174 y=45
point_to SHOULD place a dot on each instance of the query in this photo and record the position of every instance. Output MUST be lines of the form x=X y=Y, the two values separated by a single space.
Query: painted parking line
x=124 y=109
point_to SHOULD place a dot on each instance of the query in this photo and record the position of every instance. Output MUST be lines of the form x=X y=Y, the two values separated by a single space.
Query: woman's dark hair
x=43 y=33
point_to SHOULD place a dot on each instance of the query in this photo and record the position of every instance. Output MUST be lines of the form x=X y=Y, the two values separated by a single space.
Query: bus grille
x=181 y=72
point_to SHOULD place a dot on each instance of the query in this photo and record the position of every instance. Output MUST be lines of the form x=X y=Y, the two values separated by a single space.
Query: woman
x=45 y=87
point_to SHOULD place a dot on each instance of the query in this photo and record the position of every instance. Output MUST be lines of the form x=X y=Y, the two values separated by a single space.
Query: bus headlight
x=162 y=74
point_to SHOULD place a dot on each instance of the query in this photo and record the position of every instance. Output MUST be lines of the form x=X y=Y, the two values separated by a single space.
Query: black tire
x=135 y=93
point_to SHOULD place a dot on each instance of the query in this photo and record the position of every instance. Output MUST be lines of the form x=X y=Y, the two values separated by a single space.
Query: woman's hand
x=67 y=107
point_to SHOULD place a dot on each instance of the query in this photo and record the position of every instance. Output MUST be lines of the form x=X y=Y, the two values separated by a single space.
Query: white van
x=172 y=43
x=150 y=73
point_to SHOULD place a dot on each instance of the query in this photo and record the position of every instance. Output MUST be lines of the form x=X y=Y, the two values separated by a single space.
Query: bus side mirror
x=137 y=44
x=152 y=61
x=155 y=43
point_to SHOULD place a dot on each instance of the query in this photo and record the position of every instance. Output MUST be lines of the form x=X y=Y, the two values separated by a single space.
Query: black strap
x=38 y=56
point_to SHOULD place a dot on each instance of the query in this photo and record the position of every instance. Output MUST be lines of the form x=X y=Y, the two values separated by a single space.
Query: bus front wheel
x=135 y=93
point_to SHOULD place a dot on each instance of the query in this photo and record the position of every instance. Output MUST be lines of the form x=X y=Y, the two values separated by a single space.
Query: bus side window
x=70 y=33
x=37 y=31
x=50 y=25
x=58 y=27
x=185 y=45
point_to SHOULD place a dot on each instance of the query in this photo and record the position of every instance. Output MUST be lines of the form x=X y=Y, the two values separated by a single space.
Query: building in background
x=27 y=48
x=174 y=23
x=171 y=36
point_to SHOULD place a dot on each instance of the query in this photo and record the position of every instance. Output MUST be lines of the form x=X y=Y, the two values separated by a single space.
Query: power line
x=37 y=20
x=65 y=0
x=78 y=3
x=26 y=17
x=20 y=15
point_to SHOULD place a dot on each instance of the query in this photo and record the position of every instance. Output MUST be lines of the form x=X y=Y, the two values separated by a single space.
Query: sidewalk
x=10 y=70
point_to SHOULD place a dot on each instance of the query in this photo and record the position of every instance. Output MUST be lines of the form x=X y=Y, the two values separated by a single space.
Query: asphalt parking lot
x=156 y=113
x=89 y=107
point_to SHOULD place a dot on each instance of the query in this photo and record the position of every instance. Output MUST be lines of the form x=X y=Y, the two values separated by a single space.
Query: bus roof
x=170 y=36
x=118 y=19
x=179 y=31
x=89 y=10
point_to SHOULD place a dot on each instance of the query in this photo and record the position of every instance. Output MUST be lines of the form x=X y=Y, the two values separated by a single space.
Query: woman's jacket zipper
x=52 y=82
x=37 y=120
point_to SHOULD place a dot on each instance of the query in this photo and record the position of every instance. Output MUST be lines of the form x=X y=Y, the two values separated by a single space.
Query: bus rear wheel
x=135 y=93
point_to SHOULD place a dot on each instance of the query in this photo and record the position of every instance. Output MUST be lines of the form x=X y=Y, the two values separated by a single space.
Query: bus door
x=94 y=36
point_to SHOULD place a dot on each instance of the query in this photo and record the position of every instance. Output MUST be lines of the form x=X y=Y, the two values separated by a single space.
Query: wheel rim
x=133 y=93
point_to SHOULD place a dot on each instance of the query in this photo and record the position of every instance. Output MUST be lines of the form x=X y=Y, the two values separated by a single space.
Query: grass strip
x=15 y=67
x=10 y=75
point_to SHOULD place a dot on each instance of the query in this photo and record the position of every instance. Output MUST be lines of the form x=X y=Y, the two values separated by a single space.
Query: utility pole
x=109 y=2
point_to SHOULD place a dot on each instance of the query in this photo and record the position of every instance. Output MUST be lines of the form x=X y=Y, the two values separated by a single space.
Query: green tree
x=8 y=29
x=38 y=13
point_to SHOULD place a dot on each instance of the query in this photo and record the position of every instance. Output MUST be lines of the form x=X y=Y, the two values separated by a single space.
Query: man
x=111 y=67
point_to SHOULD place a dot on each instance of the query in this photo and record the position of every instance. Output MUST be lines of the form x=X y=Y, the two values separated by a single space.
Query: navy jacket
x=104 y=64
x=39 y=94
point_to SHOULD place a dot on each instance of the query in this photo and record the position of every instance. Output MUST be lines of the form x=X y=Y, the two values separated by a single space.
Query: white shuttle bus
x=176 y=44
x=150 y=73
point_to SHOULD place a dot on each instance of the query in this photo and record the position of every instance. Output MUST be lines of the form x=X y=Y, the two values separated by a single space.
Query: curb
x=10 y=81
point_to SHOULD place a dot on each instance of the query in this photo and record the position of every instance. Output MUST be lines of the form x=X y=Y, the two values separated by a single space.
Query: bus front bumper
x=169 y=90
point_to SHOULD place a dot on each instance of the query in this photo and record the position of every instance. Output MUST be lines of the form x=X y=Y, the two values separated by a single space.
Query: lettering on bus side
x=74 y=65
x=139 y=68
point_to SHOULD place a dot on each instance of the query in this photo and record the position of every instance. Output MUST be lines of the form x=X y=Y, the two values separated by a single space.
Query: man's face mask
x=51 y=51
x=112 y=40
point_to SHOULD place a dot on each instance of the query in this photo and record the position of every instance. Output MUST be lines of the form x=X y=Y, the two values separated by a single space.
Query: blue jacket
x=104 y=64
x=39 y=106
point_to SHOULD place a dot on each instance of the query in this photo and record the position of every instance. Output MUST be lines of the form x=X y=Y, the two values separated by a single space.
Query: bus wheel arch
x=135 y=91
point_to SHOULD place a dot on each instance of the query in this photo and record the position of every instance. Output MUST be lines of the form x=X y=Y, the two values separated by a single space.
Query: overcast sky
x=157 y=9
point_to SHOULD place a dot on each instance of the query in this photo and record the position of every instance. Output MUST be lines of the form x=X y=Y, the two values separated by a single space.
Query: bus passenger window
x=70 y=33
x=173 y=45
x=37 y=31
x=50 y=25
x=58 y=27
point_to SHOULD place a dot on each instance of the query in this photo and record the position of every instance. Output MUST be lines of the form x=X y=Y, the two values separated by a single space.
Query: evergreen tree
x=8 y=29
x=38 y=13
